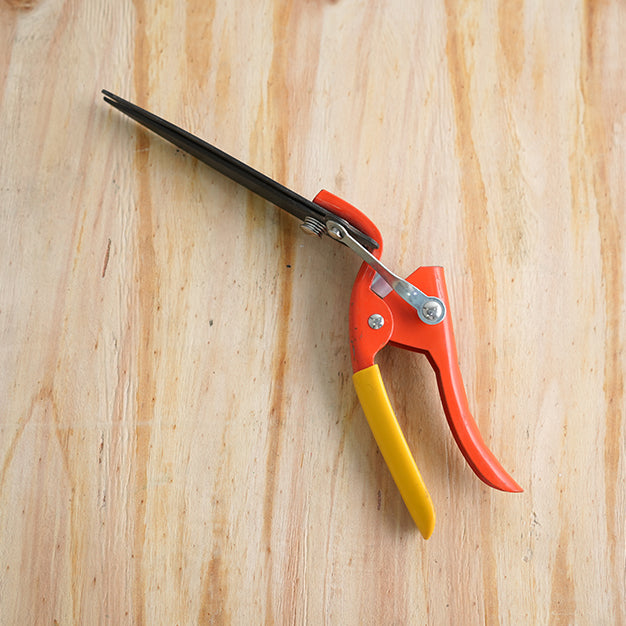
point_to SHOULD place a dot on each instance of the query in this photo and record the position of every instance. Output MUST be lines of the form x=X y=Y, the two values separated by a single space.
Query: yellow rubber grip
x=394 y=448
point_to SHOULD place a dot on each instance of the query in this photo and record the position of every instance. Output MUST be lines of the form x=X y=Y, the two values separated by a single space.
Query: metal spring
x=312 y=226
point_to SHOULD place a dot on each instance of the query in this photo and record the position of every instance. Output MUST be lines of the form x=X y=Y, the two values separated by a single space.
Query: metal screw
x=376 y=321
x=432 y=310
x=335 y=232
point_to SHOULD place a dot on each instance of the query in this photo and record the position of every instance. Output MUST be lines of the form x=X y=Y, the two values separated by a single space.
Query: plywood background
x=180 y=441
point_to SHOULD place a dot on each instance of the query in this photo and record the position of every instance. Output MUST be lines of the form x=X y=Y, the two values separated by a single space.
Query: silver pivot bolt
x=376 y=321
x=433 y=310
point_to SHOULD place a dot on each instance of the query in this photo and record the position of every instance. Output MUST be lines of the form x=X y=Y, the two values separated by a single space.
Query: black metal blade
x=234 y=169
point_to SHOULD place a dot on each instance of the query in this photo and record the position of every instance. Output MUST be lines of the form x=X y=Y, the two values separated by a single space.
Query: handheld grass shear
x=411 y=313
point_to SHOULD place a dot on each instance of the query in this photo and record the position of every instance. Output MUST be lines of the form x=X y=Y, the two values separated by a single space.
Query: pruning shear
x=411 y=313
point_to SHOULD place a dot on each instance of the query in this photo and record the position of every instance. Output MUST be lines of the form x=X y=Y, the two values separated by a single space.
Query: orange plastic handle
x=438 y=344
x=403 y=328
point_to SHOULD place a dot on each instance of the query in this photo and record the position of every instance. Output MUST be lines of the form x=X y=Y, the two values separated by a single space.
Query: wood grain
x=180 y=441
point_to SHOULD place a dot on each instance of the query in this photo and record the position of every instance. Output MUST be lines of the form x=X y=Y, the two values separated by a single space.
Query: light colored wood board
x=180 y=441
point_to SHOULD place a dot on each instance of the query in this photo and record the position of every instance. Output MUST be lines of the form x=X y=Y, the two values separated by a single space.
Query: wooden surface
x=180 y=440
